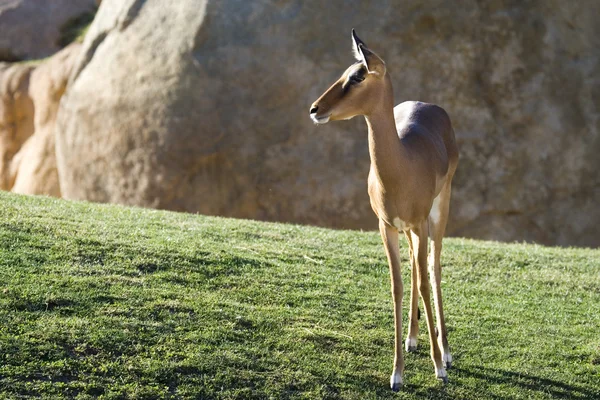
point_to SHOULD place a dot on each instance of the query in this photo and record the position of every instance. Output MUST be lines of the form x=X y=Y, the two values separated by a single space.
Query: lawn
x=111 y=302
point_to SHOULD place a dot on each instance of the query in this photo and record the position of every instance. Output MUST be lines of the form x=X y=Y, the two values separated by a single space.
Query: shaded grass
x=101 y=301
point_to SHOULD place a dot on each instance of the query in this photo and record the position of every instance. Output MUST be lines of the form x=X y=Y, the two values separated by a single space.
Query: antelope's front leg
x=389 y=235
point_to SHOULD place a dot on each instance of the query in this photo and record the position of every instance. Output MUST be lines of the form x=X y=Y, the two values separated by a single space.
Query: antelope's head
x=357 y=92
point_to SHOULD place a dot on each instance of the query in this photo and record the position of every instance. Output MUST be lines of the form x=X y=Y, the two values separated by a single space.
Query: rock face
x=203 y=106
x=32 y=28
x=29 y=103
x=16 y=117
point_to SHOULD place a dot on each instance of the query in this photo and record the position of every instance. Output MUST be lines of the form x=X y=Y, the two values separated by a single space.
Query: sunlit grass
x=101 y=301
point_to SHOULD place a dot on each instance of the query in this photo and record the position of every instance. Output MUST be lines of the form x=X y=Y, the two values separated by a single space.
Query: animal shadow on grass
x=328 y=390
x=557 y=389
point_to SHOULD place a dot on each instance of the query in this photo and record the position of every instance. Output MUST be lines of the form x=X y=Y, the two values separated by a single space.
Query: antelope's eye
x=356 y=78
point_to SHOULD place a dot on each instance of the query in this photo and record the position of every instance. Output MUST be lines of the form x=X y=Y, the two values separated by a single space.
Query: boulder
x=16 y=117
x=32 y=29
x=202 y=106
x=30 y=99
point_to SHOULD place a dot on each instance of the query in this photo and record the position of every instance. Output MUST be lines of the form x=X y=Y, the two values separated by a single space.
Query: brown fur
x=413 y=159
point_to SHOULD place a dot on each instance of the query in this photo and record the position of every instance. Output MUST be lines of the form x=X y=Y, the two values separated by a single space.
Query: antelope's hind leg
x=419 y=240
x=413 y=314
x=438 y=217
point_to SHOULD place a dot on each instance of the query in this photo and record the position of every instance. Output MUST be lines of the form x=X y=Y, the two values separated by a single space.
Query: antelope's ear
x=356 y=43
x=371 y=61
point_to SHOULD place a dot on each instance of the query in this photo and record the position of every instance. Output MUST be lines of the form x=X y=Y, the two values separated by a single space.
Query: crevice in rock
x=121 y=25
x=89 y=54
x=201 y=34
x=130 y=14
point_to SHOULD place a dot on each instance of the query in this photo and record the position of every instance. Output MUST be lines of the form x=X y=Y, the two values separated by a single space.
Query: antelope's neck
x=385 y=149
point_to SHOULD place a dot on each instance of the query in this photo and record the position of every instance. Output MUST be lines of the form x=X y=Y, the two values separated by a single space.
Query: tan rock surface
x=37 y=173
x=175 y=108
x=30 y=101
x=16 y=117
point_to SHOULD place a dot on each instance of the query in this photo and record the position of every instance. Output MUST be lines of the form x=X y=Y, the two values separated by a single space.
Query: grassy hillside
x=100 y=301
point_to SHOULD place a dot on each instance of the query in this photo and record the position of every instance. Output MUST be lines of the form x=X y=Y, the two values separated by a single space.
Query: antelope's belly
x=396 y=211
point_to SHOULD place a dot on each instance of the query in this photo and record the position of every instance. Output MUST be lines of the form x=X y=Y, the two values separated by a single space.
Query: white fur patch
x=322 y=120
x=356 y=51
x=436 y=212
x=447 y=358
x=398 y=223
x=396 y=381
x=441 y=373
x=410 y=344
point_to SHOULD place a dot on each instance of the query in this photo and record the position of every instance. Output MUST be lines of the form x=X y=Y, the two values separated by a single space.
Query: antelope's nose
x=313 y=109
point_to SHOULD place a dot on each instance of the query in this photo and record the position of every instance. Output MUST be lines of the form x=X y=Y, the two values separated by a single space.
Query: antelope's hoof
x=441 y=375
x=396 y=381
x=410 y=345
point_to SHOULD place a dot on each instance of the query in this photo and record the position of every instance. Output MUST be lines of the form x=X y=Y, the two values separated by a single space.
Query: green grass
x=102 y=301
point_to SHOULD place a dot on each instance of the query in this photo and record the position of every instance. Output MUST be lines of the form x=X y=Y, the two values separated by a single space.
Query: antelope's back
x=428 y=128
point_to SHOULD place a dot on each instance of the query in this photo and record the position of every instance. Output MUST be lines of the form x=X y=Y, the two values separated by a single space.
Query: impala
x=413 y=159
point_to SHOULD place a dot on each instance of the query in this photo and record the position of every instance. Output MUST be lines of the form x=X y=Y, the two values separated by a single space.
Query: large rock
x=32 y=29
x=16 y=117
x=203 y=107
x=30 y=97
